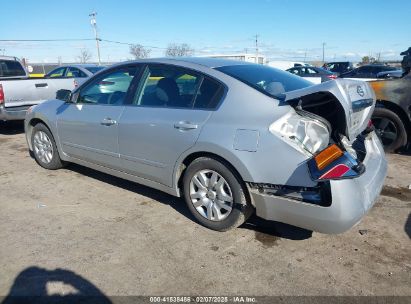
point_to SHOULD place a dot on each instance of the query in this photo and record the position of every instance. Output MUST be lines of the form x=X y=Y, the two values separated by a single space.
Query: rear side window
x=11 y=68
x=168 y=86
x=59 y=72
x=209 y=94
x=310 y=71
x=76 y=73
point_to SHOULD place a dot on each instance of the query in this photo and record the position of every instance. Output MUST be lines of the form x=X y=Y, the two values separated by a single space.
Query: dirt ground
x=78 y=230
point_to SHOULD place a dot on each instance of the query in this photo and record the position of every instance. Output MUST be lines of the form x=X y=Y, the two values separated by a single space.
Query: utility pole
x=323 y=52
x=93 y=22
x=256 y=48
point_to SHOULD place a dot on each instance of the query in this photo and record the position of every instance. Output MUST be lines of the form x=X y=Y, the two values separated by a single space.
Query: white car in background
x=285 y=65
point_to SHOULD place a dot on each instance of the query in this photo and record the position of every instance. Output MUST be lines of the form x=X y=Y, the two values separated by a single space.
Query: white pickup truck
x=18 y=92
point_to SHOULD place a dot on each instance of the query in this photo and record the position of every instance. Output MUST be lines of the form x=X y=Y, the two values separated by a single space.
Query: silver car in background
x=230 y=137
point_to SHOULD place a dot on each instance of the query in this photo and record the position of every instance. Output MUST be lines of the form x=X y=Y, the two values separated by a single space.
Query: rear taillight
x=334 y=163
x=336 y=172
x=332 y=76
x=1 y=95
x=327 y=156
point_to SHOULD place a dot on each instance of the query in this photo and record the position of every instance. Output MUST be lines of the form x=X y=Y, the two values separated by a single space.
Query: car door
x=164 y=119
x=88 y=127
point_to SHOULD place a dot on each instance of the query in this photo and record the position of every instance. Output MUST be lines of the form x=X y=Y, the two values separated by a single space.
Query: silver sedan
x=230 y=137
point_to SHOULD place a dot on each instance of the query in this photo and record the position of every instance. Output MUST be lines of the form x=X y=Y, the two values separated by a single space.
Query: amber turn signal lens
x=327 y=156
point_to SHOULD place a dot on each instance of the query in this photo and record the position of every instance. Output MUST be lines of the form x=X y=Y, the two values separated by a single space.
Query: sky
x=286 y=29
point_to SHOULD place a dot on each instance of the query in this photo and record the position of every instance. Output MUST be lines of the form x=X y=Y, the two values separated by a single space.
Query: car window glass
x=310 y=71
x=294 y=71
x=10 y=68
x=59 y=72
x=109 y=88
x=75 y=72
x=209 y=94
x=265 y=79
x=167 y=86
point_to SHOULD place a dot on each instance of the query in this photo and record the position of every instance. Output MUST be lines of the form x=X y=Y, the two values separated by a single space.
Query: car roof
x=80 y=65
x=9 y=58
x=202 y=61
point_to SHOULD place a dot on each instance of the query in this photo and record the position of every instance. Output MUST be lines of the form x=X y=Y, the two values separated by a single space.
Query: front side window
x=59 y=72
x=265 y=79
x=110 y=88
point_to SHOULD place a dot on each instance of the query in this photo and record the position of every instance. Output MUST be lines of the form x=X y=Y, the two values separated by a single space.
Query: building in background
x=241 y=57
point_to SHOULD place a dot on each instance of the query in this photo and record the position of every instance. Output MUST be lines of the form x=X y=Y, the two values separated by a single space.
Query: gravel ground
x=78 y=230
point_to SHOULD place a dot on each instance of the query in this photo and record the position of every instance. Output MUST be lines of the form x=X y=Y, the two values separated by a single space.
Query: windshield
x=265 y=79
x=94 y=70
x=11 y=68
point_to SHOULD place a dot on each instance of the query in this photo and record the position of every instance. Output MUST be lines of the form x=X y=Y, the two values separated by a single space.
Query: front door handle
x=108 y=122
x=184 y=125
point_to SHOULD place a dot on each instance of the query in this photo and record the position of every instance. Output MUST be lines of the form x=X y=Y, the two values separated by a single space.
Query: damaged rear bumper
x=351 y=198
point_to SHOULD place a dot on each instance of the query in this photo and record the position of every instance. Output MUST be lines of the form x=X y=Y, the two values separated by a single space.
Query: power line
x=43 y=40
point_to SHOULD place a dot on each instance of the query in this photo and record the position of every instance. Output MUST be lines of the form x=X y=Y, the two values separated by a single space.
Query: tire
x=44 y=148
x=227 y=196
x=390 y=129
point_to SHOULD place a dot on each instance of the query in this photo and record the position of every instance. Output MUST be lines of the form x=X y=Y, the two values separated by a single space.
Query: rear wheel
x=390 y=129
x=44 y=148
x=215 y=195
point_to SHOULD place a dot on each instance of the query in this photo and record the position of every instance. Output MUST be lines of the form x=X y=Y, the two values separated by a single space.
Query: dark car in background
x=339 y=67
x=370 y=71
x=313 y=72
x=390 y=74
x=392 y=115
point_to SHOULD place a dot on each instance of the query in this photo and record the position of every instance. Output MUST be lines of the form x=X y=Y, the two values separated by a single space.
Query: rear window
x=11 y=68
x=94 y=70
x=265 y=79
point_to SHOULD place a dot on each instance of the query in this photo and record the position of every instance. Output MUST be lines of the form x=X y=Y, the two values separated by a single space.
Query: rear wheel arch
x=399 y=111
x=195 y=155
x=401 y=115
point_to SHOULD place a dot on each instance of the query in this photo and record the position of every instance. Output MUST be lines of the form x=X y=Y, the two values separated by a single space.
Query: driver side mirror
x=64 y=95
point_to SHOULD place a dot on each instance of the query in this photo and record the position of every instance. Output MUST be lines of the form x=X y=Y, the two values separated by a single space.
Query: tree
x=84 y=56
x=368 y=59
x=179 y=50
x=139 y=51
x=365 y=60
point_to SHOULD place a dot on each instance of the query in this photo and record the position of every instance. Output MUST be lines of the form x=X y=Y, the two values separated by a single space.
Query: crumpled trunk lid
x=355 y=98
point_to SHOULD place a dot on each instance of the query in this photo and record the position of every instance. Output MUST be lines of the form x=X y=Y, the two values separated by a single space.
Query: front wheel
x=390 y=129
x=215 y=195
x=44 y=148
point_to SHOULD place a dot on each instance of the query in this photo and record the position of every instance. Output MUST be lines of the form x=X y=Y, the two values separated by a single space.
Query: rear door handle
x=184 y=125
x=108 y=122
x=41 y=85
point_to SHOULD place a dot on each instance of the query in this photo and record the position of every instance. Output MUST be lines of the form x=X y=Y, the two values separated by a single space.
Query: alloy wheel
x=43 y=147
